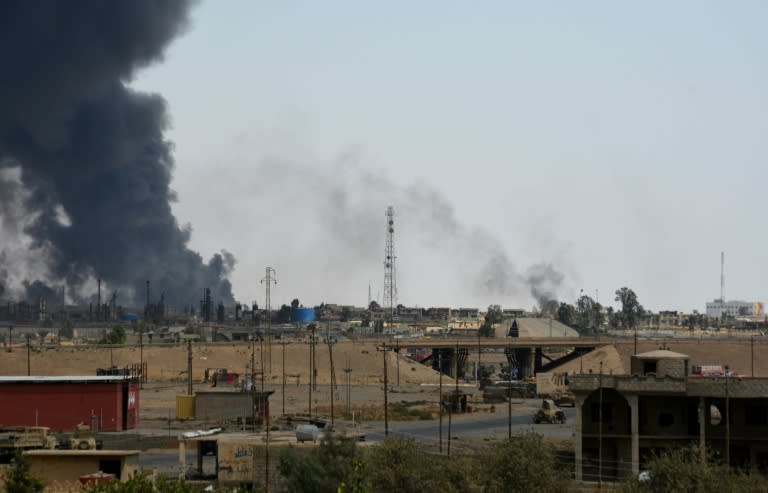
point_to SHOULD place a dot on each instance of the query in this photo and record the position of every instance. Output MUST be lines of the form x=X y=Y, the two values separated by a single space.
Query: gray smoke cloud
x=92 y=158
x=337 y=209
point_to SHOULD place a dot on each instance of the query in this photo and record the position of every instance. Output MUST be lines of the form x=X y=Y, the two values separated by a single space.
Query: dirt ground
x=411 y=381
x=167 y=371
x=741 y=355
x=169 y=363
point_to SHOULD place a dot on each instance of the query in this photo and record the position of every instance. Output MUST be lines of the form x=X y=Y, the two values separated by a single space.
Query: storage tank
x=306 y=433
x=302 y=315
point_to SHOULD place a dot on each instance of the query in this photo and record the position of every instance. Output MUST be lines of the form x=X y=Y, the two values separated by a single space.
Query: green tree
x=399 y=465
x=566 y=314
x=325 y=468
x=494 y=315
x=631 y=310
x=549 y=308
x=67 y=329
x=18 y=478
x=589 y=314
x=525 y=464
x=115 y=336
x=682 y=470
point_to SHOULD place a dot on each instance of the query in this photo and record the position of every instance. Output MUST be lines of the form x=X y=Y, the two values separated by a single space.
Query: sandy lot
x=167 y=369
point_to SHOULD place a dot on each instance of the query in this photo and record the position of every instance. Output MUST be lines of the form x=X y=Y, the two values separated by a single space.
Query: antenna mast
x=722 y=277
x=390 y=282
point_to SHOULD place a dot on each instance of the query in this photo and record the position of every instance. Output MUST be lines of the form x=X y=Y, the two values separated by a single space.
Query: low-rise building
x=623 y=420
x=68 y=466
x=734 y=308
x=104 y=402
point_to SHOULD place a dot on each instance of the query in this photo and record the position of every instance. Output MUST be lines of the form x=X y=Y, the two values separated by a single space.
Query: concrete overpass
x=526 y=354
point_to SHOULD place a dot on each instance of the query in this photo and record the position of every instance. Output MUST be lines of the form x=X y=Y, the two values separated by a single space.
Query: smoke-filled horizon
x=85 y=167
x=321 y=224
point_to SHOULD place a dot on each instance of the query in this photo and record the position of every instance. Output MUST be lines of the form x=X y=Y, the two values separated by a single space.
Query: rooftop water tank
x=303 y=315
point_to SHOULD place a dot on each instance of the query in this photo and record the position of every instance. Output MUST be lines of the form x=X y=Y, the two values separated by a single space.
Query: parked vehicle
x=25 y=438
x=565 y=398
x=82 y=439
x=499 y=391
x=549 y=413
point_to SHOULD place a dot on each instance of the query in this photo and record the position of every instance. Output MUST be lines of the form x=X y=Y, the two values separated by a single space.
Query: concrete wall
x=668 y=416
x=671 y=367
x=236 y=460
x=217 y=406
x=71 y=467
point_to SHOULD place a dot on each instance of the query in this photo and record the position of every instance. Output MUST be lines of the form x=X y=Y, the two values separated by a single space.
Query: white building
x=716 y=308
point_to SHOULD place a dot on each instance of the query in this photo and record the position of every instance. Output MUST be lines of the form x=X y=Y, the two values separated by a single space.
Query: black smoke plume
x=91 y=151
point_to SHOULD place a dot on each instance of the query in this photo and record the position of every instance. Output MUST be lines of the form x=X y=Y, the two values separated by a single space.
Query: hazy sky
x=624 y=144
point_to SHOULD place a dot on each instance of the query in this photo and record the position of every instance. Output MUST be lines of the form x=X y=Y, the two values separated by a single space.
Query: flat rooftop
x=64 y=379
x=82 y=453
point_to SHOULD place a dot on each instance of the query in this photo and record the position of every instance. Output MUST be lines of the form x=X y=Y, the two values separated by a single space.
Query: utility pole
x=509 y=404
x=266 y=446
x=397 y=360
x=348 y=371
x=600 y=431
x=141 y=355
x=313 y=355
x=311 y=365
x=727 y=421
x=509 y=395
x=268 y=280
x=189 y=367
x=10 y=339
x=455 y=397
x=386 y=384
x=283 y=343
x=477 y=369
x=29 y=367
x=253 y=384
x=333 y=371
x=440 y=386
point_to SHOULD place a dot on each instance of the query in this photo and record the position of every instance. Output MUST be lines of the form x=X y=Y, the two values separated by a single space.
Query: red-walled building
x=105 y=403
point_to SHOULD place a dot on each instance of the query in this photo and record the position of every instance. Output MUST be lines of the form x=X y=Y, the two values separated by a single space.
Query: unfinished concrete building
x=622 y=420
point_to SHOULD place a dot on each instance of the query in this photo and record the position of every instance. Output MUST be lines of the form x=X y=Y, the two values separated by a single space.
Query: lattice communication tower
x=390 y=272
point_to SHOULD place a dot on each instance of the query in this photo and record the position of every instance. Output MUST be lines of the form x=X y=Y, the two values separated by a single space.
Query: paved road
x=477 y=426
x=466 y=430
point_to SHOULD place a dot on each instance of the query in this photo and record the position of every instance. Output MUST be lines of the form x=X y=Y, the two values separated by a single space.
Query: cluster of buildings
x=734 y=309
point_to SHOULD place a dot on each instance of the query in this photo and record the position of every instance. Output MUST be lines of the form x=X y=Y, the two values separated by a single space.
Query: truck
x=23 y=438
x=500 y=390
x=549 y=413
x=82 y=439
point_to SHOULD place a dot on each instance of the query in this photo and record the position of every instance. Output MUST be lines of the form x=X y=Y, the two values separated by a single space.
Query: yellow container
x=185 y=406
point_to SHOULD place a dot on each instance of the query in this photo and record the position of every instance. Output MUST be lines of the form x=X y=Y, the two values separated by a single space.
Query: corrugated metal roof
x=64 y=379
